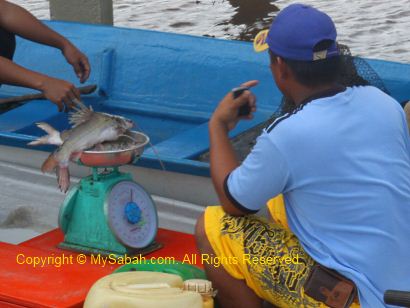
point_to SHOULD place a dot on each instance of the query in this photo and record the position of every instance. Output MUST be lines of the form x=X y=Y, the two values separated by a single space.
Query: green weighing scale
x=107 y=212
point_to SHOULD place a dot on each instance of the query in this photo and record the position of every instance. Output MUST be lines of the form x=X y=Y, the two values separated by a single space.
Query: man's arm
x=19 y=21
x=58 y=91
x=222 y=156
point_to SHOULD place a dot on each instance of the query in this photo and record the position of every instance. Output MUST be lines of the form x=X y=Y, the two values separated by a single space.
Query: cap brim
x=259 y=42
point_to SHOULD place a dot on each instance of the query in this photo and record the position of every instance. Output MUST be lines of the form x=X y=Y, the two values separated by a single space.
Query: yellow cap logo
x=259 y=43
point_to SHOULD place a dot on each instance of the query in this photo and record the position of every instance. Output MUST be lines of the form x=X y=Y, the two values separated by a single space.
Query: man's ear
x=282 y=69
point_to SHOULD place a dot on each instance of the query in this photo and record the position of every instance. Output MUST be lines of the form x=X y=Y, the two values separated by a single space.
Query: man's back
x=348 y=190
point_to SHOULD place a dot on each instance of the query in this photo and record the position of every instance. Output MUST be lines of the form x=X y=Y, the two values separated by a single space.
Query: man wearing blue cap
x=341 y=161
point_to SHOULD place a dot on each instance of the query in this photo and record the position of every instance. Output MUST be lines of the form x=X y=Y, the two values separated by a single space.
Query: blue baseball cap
x=296 y=32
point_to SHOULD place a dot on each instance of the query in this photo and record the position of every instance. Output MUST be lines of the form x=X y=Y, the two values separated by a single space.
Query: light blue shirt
x=343 y=166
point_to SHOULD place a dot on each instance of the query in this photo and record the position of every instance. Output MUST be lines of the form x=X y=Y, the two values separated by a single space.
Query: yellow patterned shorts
x=263 y=253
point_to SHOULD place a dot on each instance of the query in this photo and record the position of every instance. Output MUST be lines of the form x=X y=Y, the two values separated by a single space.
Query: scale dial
x=131 y=214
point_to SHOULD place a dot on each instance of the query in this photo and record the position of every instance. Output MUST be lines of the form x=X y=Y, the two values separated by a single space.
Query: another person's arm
x=19 y=21
x=246 y=188
x=58 y=91
x=222 y=156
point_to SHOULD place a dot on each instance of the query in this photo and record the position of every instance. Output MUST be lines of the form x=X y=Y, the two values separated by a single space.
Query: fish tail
x=41 y=140
x=63 y=178
x=53 y=136
x=49 y=164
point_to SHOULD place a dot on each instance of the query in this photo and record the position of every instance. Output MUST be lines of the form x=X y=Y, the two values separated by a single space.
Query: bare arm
x=58 y=91
x=222 y=162
x=14 y=74
x=19 y=21
x=222 y=156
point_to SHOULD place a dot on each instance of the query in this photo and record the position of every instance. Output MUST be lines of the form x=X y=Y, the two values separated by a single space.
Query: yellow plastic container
x=145 y=290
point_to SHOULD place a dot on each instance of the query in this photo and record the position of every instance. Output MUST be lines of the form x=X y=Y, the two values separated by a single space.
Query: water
x=372 y=28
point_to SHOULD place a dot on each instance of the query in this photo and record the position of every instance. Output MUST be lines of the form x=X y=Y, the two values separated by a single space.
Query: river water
x=371 y=28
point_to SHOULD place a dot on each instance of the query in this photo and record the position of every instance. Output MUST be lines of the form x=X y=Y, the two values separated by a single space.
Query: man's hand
x=60 y=92
x=222 y=156
x=226 y=114
x=19 y=21
x=78 y=60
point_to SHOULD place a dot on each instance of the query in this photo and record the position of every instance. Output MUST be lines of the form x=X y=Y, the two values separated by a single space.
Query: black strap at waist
x=7 y=44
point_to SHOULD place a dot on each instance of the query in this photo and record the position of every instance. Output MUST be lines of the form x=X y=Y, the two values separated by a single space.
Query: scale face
x=131 y=214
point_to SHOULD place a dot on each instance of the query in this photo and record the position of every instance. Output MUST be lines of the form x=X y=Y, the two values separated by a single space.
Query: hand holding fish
x=60 y=92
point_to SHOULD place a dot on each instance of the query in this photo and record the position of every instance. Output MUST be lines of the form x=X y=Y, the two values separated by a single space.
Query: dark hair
x=314 y=73
x=352 y=71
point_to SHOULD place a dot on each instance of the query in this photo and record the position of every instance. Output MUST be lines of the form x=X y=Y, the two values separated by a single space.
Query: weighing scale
x=107 y=212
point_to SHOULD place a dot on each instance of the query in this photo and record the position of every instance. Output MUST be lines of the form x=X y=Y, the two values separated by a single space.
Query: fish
x=124 y=142
x=88 y=129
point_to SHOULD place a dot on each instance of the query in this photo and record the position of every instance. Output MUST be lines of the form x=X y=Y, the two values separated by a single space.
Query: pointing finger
x=250 y=83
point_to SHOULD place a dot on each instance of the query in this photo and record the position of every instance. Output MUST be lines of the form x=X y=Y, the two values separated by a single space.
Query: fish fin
x=53 y=136
x=82 y=113
x=47 y=128
x=41 y=140
x=49 y=164
x=80 y=116
x=63 y=178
